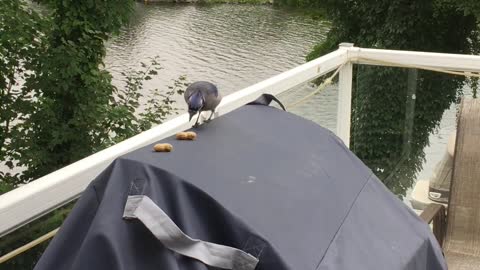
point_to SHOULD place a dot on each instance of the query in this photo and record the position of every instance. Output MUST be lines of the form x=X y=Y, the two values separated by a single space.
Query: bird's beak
x=191 y=114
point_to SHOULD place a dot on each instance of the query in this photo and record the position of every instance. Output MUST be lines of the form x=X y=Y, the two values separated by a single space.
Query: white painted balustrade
x=45 y=194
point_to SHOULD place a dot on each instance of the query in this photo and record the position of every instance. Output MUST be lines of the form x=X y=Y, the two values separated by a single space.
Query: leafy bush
x=58 y=104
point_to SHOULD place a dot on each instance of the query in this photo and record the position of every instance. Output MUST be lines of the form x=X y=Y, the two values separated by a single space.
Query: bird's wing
x=215 y=91
x=187 y=94
x=209 y=90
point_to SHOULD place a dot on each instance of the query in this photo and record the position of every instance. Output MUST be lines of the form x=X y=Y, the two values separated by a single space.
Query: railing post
x=345 y=99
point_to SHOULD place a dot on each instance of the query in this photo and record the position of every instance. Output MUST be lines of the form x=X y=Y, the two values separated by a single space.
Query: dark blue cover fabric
x=259 y=179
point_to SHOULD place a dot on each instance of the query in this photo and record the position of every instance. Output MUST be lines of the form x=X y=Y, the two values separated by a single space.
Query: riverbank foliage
x=58 y=103
x=253 y=2
x=395 y=110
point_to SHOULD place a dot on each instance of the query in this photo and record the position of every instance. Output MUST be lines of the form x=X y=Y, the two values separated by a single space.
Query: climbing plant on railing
x=395 y=110
x=467 y=6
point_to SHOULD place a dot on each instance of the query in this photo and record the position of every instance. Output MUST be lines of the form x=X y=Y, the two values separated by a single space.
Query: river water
x=232 y=46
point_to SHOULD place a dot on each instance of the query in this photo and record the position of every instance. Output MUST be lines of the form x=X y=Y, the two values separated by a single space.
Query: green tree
x=316 y=4
x=468 y=6
x=21 y=40
x=72 y=91
x=390 y=129
x=57 y=102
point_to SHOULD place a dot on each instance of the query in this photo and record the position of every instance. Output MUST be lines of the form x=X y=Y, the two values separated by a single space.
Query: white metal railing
x=33 y=200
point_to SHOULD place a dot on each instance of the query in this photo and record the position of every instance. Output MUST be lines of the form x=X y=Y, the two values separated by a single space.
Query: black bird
x=202 y=96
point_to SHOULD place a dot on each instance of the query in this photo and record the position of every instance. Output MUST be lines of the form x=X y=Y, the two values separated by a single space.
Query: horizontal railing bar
x=286 y=80
x=41 y=196
x=446 y=61
x=30 y=201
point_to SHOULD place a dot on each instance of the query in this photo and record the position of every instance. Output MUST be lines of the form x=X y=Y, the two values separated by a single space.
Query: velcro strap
x=159 y=223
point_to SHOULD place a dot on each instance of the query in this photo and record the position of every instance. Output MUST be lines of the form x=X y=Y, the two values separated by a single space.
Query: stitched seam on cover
x=343 y=221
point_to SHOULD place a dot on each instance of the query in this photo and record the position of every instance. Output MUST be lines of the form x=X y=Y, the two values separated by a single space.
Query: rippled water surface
x=233 y=46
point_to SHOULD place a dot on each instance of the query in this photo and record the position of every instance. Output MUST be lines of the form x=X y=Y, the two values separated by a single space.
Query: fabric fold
x=167 y=232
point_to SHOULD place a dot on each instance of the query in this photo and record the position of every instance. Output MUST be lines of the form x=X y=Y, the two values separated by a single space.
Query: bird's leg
x=196 y=122
x=210 y=118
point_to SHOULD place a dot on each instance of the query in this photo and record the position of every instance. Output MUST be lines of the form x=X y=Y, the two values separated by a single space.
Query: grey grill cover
x=258 y=179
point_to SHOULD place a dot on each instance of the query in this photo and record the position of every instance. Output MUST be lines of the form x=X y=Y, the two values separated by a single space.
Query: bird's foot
x=210 y=118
